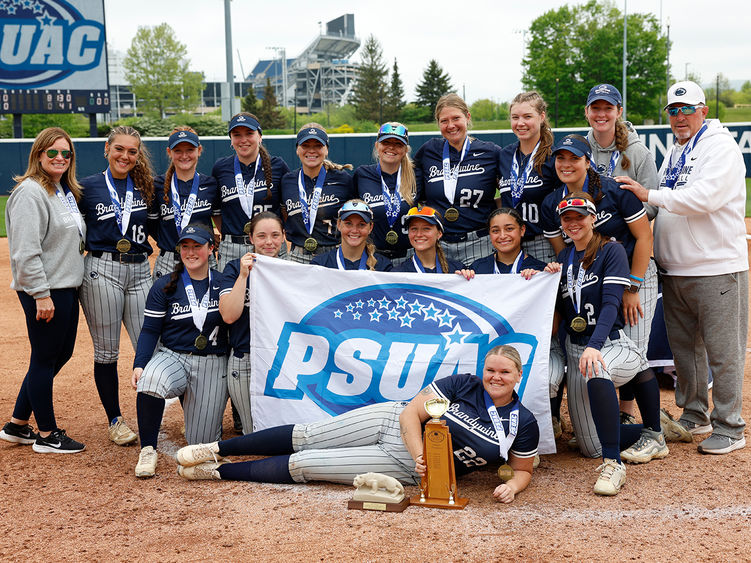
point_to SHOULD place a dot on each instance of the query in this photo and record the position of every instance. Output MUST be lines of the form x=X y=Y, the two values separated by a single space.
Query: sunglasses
x=423 y=211
x=52 y=153
x=576 y=203
x=685 y=110
x=389 y=129
x=356 y=206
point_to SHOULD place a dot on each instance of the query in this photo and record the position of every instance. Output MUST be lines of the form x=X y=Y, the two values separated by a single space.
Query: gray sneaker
x=717 y=444
x=650 y=445
x=673 y=431
x=695 y=428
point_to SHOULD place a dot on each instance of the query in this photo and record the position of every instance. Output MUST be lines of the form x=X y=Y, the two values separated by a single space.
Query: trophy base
x=459 y=503
x=379 y=506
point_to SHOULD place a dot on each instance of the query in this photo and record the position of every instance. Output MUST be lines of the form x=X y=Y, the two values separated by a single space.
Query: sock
x=105 y=378
x=150 y=410
x=626 y=391
x=555 y=402
x=270 y=470
x=603 y=403
x=647 y=394
x=272 y=441
x=629 y=435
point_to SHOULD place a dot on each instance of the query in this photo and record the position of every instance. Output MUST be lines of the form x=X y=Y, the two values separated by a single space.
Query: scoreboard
x=54 y=101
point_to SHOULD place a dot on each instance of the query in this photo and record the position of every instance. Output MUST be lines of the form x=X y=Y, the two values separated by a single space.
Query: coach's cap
x=606 y=92
x=685 y=92
x=356 y=207
x=575 y=144
x=393 y=131
x=183 y=137
x=197 y=234
x=312 y=133
x=244 y=120
x=425 y=213
x=574 y=202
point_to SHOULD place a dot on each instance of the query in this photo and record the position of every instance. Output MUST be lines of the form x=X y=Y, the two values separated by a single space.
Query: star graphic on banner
x=431 y=313
x=445 y=318
x=375 y=316
x=356 y=316
x=401 y=303
x=360 y=304
x=393 y=314
x=406 y=320
x=456 y=336
x=350 y=307
x=384 y=303
x=11 y=10
x=371 y=302
x=46 y=19
x=37 y=8
x=337 y=314
x=26 y=4
x=415 y=307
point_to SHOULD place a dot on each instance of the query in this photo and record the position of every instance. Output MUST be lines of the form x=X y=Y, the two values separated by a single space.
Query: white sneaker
x=146 y=466
x=119 y=433
x=650 y=445
x=206 y=470
x=611 y=479
x=198 y=453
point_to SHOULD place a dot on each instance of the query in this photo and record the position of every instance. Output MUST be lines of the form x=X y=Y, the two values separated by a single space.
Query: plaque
x=123 y=245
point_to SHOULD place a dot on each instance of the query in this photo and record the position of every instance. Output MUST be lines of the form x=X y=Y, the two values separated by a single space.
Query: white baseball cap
x=685 y=92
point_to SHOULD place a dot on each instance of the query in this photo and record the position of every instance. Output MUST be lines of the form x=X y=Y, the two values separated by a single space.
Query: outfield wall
x=353 y=148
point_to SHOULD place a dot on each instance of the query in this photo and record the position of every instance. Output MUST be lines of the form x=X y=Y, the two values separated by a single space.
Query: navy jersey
x=328 y=260
x=409 y=266
x=233 y=216
x=603 y=285
x=239 y=331
x=368 y=185
x=535 y=189
x=475 y=188
x=486 y=265
x=168 y=317
x=337 y=190
x=615 y=211
x=206 y=206
x=473 y=436
x=98 y=211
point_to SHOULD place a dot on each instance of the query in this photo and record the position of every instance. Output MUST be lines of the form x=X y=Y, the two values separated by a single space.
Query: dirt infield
x=90 y=507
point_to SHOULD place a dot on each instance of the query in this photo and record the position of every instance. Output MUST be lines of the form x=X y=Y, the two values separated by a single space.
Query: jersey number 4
x=469 y=457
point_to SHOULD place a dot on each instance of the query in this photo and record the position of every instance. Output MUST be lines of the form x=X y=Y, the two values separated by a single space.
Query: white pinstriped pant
x=469 y=250
x=540 y=248
x=238 y=385
x=639 y=333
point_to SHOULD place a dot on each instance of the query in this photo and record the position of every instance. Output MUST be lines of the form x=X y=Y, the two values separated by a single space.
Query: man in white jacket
x=700 y=246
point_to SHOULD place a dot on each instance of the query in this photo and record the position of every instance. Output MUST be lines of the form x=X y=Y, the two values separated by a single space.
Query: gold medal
x=452 y=214
x=201 y=342
x=123 y=245
x=246 y=228
x=310 y=244
x=392 y=237
x=578 y=324
x=505 y=472
x=81 y=247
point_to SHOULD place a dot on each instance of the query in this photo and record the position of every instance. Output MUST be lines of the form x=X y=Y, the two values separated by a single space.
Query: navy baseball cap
x=183 y=137
x=393 y=131
x=425 y=213
x=354 y=207
x=312 y=133
x=575 y=144
x=606 y=92
x=197 y=234
x=241 y=120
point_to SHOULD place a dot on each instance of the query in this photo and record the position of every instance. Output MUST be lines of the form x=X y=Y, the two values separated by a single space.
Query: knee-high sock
x=105 y=378
x=626 y=391
x=647 y=394
x=270 y=470
x=150 y=410
x=603 y=402
x=272 y=441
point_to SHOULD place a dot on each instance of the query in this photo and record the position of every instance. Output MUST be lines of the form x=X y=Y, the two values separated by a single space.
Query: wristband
x=636 y=278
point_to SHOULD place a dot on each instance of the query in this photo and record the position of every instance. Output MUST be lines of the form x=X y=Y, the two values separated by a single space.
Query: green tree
x=369 y=94
x=269 y=113
x=395 y=96
x=581 y=46
x=435 y=83
x=250 y=103
x=158 y=73
x=488 y=110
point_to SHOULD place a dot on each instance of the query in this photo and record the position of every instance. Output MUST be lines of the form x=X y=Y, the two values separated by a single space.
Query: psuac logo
x=385 y=343
x=44 y=41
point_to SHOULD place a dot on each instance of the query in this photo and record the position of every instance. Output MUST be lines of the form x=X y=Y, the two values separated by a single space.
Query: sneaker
x=58 y=442
x=573 y=443
x=611 y=479
x=694 y=428
x=536 y=461
x=627 y=418
x=557 y=428
x=119 y=432
x=673 y=431
x=18 y=434
x=717 y=444
x=146 y=466
x=207 y=470
x=198 y=453
x=650 y=445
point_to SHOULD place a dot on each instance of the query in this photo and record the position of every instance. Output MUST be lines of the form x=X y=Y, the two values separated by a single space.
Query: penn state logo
x=241 y=118
x=44 y=41
x=680 y=92
x=385 y=343
x=182 y=134
x=568 y=142
x=602 y=89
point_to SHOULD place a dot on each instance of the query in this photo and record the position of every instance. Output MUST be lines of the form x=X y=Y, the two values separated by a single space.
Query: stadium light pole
x=625 y=58
x=228 y=54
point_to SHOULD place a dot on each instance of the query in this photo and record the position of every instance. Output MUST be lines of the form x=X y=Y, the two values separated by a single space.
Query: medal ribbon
x=574 y=292
x=309 y=213
x=420 y=268
x=611 y=167
x=181 y=221
x=517 y=184
x=340 y=260
x=450 y=177
x=584 y=186
x=122 y=214
x=515 y=267
x=672 y=172
x=392 y=202
x=504 y=441
x=246 y=192
x=69 y=202
x=197 y=311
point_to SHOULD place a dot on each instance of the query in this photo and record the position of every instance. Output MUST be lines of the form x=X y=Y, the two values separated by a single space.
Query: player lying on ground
x=387 y=437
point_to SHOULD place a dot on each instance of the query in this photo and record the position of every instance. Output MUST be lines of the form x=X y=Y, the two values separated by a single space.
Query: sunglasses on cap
x=52 y=153
x=355 y=207
x=576 y=204
x=423 y=211
x=685 y=110
x=389 y=129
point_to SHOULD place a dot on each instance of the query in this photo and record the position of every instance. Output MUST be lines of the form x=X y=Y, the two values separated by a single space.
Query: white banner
x=324 y=342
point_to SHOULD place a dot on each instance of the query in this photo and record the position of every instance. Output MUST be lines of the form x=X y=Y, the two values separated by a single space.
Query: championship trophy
x=438 y=487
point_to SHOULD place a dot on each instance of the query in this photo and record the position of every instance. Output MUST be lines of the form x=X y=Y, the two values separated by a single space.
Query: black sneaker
x=58 y=442
x=18 y=434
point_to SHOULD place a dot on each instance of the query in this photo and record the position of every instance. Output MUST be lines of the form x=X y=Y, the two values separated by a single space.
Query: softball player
x=458 y=176
x=389 y=188
x=267 y=237
x=425 y=230
x=186 y=197
x=117 y=274
x=312 y=196
x=249 y=182
x=527 y=172
x=182 y=314
x=355 y=252
x=387 y=437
